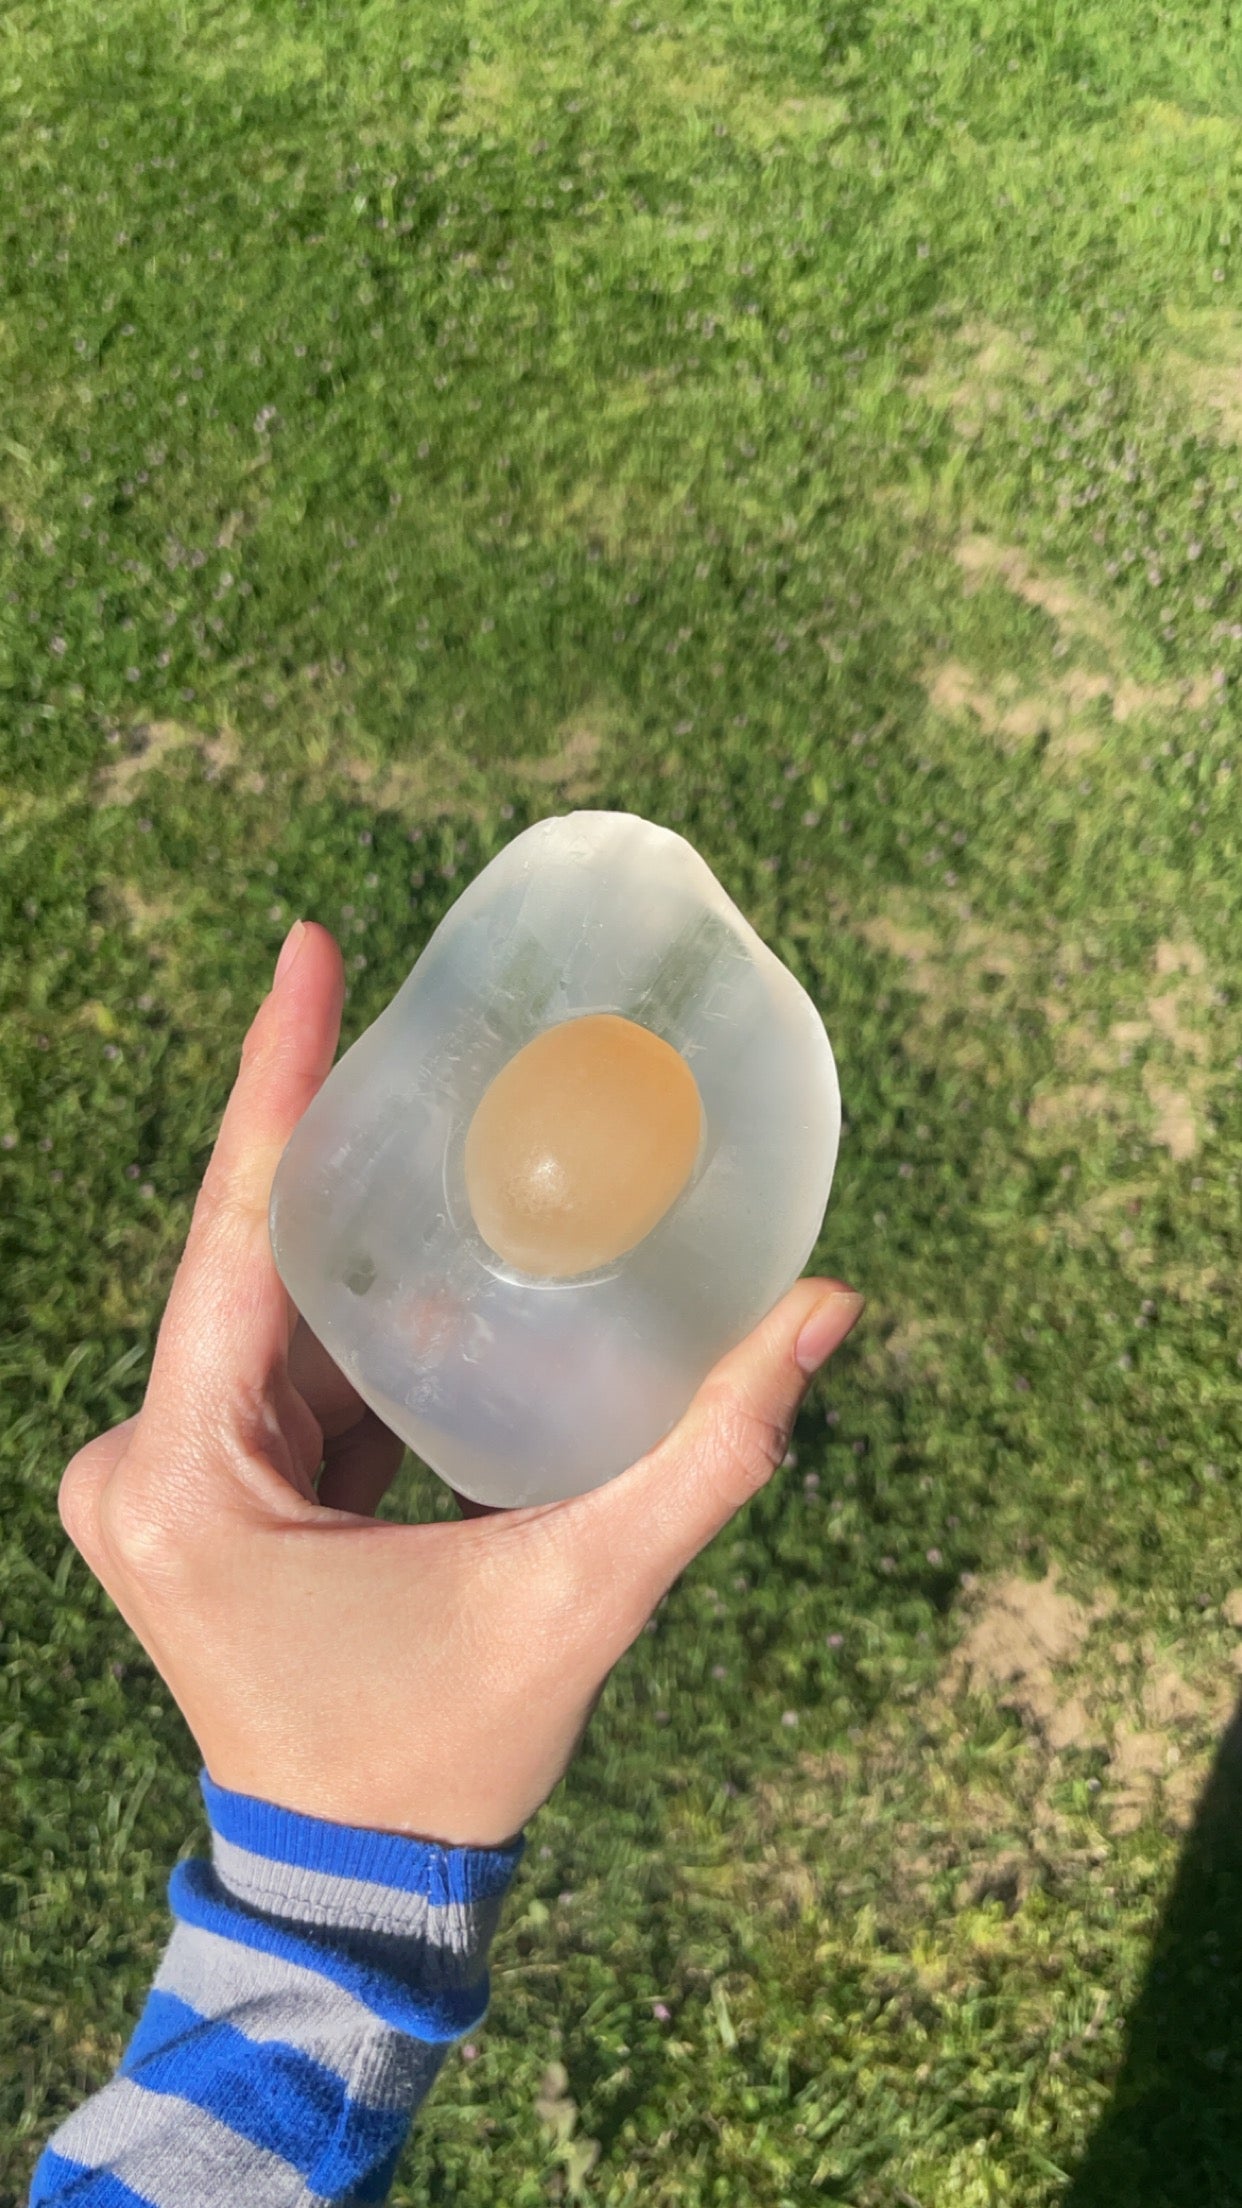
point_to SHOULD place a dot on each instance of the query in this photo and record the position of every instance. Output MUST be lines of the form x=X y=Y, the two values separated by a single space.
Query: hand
x=428 y=1679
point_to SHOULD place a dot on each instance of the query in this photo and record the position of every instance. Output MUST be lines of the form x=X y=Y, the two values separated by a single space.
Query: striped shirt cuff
x=315 y=1977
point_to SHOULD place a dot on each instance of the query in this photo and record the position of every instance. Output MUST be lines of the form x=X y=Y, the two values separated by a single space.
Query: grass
x=815 y=430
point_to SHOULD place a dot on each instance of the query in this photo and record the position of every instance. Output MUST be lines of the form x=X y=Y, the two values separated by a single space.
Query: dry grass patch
x=976 y=373
x=945 y=963
x=149 y=745
x=150 y=918
x=1023 y=1635
x=1204 y=365
x=953 y=964
x=1065 y=708
x=1029 y=1648
x=573 y=768
x=438 y=778
x=983 y=559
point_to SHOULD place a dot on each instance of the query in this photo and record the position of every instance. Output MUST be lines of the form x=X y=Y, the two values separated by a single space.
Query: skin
x=433 y=1679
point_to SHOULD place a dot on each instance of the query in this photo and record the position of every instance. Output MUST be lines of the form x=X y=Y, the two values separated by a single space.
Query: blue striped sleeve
x=316 y=1976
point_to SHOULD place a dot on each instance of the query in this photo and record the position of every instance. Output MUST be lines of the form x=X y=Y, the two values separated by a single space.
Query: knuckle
x=77 y=1502
x=137 y=1539
x=748 y=1441
x=257 y=1038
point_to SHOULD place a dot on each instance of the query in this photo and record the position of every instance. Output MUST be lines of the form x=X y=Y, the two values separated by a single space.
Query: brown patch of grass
x=149 y=918
x=983 y=559
x=1173 y=1014
x=149 y=745
x=1175 y=1116
x=572 y=768
x=1204 y=366
x=1063 y=709
x=909 y=1352
x=1167 y=1016
x=678 y=73
x=919 y=948
x=440 y=778
x=423 y=788
x=1183 y=957
x=1028 y=1649
x=1025 y=1631
x=944 y=966
x=1137 y=1763
x=1169 y=1700
x=976 y=375
x=1001 y=710
x=1080 y=1100
x=1172 y=1018
x=950 y=959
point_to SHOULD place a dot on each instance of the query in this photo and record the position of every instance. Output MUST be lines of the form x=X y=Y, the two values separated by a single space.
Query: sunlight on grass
x=819 y=434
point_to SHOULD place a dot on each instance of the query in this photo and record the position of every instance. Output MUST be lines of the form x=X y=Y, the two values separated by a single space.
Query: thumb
x=227 y=1319
x=286 y=1055
x=655 y=1517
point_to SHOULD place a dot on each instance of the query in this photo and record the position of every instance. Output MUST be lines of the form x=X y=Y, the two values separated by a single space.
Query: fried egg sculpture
x=584 y=1149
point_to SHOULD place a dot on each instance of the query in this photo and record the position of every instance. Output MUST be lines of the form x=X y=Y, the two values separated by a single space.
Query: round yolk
x=580 y=1145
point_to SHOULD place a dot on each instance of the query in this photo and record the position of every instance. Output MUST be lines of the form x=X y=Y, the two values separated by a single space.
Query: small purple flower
x=660 y=2013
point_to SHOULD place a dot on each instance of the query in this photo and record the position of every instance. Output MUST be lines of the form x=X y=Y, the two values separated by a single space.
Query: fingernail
x=827 y=1327
x=289 y=950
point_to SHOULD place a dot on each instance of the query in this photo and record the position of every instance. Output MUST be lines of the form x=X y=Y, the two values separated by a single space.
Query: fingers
x=360 y=1466
x=642 y=1529
x=227 y=1321
x=322 y=1385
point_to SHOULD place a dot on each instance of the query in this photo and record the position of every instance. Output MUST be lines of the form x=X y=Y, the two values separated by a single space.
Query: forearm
x=316 y=1976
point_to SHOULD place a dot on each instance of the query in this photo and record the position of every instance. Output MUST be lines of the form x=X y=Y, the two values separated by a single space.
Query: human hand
x=427 y=1679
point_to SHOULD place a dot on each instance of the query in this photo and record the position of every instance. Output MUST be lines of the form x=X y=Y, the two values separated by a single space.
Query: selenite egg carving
x=578 y=1156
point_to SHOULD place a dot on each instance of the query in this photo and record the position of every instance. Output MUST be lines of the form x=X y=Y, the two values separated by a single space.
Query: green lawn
x=817 y=429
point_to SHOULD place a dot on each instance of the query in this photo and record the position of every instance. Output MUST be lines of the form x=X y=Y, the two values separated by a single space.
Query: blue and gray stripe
x=302 y=2009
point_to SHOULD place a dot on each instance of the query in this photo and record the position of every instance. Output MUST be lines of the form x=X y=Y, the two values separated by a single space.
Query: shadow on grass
x=1172 y=2137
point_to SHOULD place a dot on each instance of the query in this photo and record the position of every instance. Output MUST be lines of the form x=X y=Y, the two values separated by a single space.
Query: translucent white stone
x=516 y=1387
